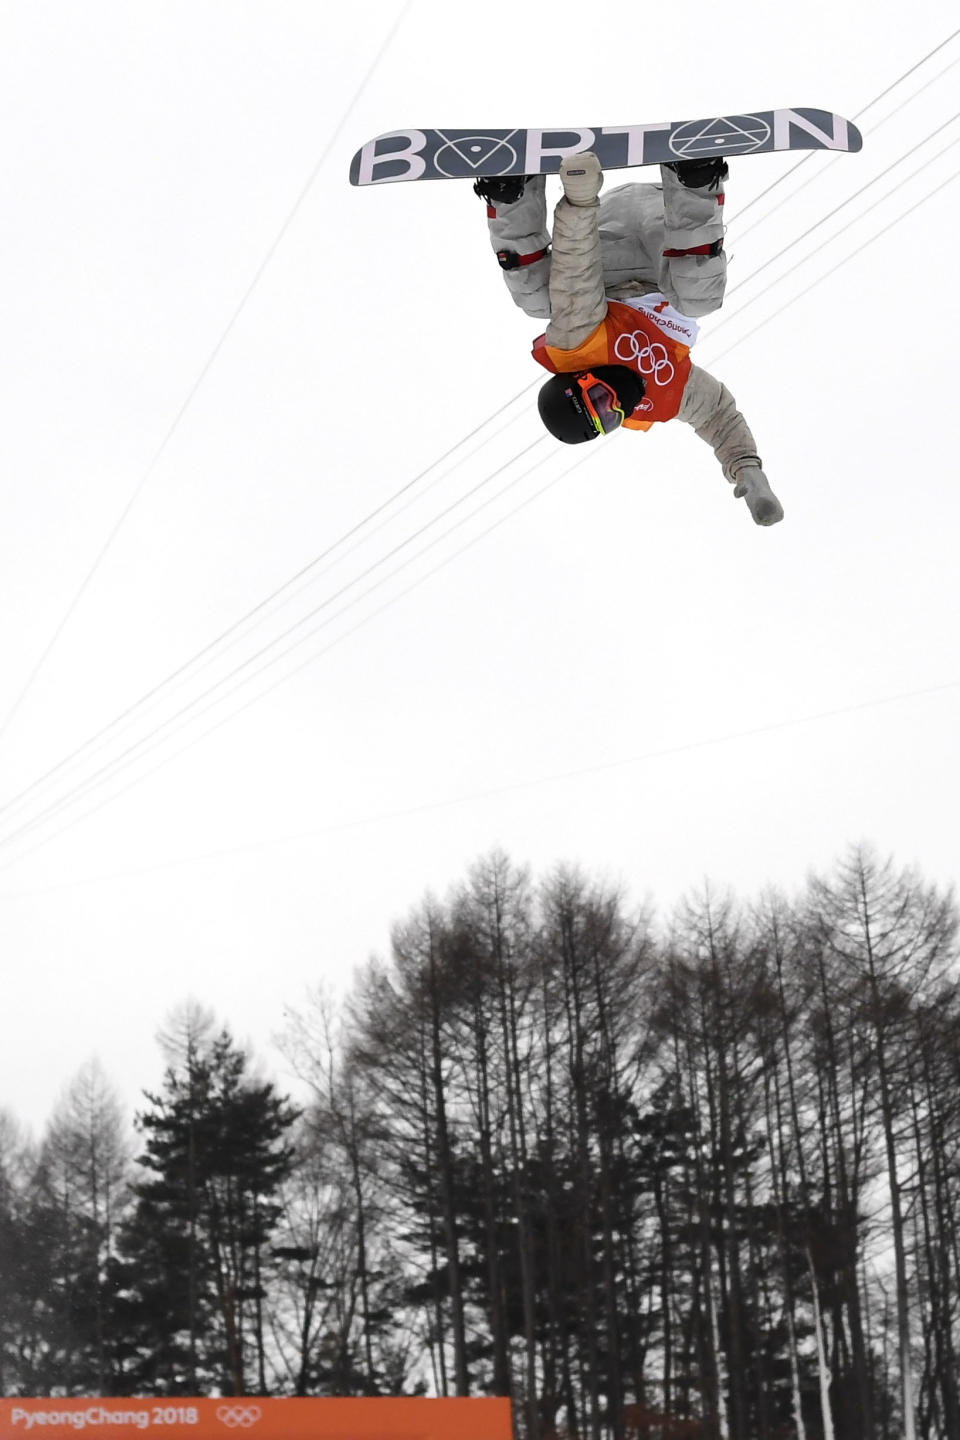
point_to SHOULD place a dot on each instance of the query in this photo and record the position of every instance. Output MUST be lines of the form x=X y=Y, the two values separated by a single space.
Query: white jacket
x=615 y=250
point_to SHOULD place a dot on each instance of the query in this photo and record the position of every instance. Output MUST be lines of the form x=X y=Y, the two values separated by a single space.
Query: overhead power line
x=745 y=304
x=859 y=115
x=267 y=606
x=234 y=631
x=106 y=772
x=198 y=382
x=823 y=168
x=270 y=654
x=270 y=603
x=164 y=727
x=931 y=195
x=158 y=736
x=729 y=737
x=843 y=204
x=68 y=801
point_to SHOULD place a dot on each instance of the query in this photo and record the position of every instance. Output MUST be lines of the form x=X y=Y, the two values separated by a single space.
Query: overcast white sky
x=584 y=683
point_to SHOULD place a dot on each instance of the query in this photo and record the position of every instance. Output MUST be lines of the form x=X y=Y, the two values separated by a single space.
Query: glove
x=752 y=485
x=582 y=178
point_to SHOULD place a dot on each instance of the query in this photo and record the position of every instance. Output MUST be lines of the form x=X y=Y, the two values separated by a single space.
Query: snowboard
x=467 y=154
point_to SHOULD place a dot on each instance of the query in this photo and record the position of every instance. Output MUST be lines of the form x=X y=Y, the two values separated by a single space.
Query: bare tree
x=891 y=938
x=85 y=1156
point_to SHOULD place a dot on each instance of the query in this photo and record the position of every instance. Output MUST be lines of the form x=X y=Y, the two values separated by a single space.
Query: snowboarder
x=621 y=287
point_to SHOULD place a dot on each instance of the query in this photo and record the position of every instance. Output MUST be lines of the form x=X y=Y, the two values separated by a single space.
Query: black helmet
x=562 y=403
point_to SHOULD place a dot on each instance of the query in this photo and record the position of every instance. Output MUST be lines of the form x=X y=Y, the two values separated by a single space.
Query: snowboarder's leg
x=631 y=239
x=693 y=197
x=517 y=222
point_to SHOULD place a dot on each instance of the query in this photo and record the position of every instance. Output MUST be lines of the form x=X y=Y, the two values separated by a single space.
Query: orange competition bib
x=646 y=334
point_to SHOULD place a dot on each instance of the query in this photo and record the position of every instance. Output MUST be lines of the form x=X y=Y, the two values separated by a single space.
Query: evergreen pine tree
x=190 y=1283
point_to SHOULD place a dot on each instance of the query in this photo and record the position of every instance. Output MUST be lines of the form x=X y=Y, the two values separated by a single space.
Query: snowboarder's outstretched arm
x=709 y=407
x=578 y=301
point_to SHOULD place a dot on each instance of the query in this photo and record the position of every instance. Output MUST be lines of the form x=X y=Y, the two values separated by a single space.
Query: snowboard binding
x=700 y=174
x=500 y=190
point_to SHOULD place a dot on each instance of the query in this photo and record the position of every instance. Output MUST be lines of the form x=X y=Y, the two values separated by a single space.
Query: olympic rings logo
x=238 y=1416
x=651 y=358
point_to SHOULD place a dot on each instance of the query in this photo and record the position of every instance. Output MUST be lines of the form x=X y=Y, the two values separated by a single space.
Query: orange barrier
x=253 y=1418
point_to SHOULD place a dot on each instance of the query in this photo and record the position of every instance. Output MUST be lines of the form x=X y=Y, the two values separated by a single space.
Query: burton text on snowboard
x=466 y=154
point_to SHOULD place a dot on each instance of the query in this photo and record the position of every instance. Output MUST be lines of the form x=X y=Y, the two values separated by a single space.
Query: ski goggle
x=600 y=402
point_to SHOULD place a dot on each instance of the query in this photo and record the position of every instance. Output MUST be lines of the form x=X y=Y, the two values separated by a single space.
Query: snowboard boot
x=500 y=189
x=701 y=174
x=753 y=486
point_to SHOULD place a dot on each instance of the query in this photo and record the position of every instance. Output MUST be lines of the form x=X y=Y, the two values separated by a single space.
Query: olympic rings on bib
x=650 y=357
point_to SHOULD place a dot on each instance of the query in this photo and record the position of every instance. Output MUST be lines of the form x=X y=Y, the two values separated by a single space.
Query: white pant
x=637 y=223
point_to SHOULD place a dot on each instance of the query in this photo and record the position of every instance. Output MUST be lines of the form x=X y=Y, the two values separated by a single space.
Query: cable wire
x=53 y=809
x=105 y=772
x=198 y=382
x=235 y=631
x=494 y=792
x=420 y=580
x=822 y=169
x=144 y=699
x=745 y=304
x=269 y=653
x=843 y=205
x=860 y=113
x=853 y=254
